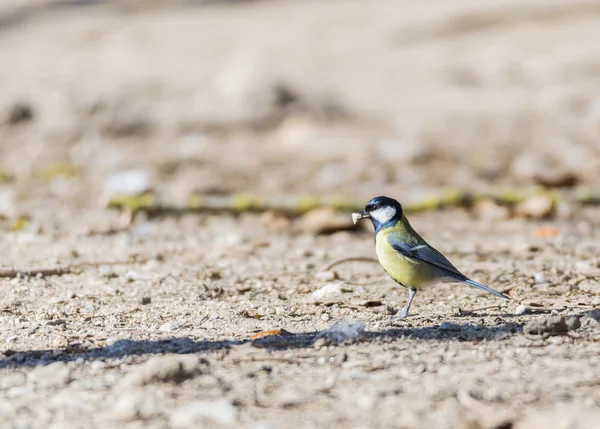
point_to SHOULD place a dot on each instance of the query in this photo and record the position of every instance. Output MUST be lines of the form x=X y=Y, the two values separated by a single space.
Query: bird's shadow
x=470 y=314
x=301 y=340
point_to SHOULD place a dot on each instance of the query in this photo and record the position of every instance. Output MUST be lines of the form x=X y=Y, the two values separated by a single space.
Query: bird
x=405 y=256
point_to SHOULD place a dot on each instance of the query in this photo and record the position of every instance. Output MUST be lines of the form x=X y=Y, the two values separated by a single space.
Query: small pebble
x=200 y=413
x=540 y=206
x=133 y=405
x=304 y=253
x=129 y=183
x=449 y=326
x=88 y=309
x=329 y=289
x=145 y=300
x=556 y=340
x=169 y=327
x=275 y=222
x=590 y=286
x=343 y=330
x=490 y=211
x=594 y=314
x=553 y=325
x=321 y=342
x=54 y=375
x=164 y=369
x=20 y=112
x=573 y=323
x=591 y=319
x=522 y=309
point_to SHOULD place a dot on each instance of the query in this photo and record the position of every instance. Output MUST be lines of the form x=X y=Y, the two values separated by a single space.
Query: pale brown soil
x=293 y=98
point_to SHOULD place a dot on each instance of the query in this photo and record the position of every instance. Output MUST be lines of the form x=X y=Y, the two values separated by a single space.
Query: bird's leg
x=411 y=294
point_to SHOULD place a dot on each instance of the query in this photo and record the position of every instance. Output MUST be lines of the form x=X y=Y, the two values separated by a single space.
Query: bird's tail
x=483 y=287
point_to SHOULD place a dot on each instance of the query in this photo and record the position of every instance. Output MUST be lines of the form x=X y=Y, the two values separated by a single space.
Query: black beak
x=360 y=215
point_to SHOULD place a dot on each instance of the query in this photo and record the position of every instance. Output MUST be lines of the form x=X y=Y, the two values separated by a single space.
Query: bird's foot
x=400 y=315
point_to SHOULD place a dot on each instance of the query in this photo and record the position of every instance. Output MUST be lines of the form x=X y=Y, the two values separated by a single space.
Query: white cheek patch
x=383 y=214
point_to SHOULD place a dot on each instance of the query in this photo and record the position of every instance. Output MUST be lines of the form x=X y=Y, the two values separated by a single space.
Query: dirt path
x=203 y=288
x=153 y=326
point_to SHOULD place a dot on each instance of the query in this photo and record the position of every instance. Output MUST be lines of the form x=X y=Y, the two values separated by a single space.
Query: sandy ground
x=153 y=328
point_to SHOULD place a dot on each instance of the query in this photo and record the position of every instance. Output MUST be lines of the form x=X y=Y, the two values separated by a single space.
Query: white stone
x=196 y=414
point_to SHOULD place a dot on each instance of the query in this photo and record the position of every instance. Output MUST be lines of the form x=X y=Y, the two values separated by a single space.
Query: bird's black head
x=382 y=211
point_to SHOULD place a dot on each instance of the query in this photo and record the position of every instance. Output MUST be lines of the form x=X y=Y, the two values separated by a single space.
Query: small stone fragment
x=134 y=405
x=590 y=286
x=165 y=369
x=319 y=343
x=290 y=397
x=330 y=289
x=343 y=330
x=489 y=210
x=556 y=178
x=145 y=300
x=88 y=309
x=594 y=314
x=275 y=222
x=522 y=309
x=128 y=183
x=12 y=380
x=19 y=113
x=538 y=207
x=8 y=207
x=591 y=319
x=247 y=353
x=134 y=275
x=325 y=221
x=525 y=166
x=553 y=325
x=449 y=326
x=586 y=268
x=56 y=374
x=573 y=323
x=169 y=327
x=199 y=413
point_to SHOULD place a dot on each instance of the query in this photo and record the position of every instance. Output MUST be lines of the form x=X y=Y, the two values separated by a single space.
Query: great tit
x=406 y=257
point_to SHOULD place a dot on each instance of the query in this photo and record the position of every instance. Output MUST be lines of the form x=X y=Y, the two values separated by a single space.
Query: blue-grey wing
x=426 y=253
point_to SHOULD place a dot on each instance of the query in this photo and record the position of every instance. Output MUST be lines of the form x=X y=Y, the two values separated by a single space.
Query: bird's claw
x=400 y=315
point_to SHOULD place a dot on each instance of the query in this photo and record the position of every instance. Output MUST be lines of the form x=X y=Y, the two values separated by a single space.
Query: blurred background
x=295 y=97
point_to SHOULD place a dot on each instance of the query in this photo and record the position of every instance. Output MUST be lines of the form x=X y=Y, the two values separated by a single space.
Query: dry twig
x=350 y=259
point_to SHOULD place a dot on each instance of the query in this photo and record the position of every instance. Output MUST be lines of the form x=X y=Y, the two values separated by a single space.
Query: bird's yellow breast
x=406 y=271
